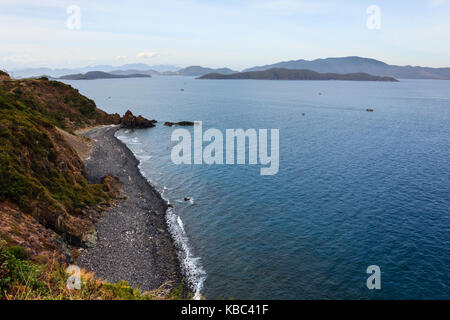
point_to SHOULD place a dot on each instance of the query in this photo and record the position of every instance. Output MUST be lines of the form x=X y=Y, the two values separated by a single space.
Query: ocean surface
x=354 y=188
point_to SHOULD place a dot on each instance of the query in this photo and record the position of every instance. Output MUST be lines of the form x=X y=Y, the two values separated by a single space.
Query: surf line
x=236 y=143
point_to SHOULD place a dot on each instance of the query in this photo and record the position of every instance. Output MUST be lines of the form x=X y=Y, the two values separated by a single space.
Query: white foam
x=180 y=223
x=144 y=157
x=190 y=265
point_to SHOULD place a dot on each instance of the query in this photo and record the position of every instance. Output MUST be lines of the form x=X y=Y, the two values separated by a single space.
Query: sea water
x=354 y=188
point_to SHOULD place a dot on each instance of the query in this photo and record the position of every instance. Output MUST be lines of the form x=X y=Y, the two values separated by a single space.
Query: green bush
x=15 y=269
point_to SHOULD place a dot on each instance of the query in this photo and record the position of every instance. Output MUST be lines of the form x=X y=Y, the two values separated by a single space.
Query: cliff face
x=45 y=200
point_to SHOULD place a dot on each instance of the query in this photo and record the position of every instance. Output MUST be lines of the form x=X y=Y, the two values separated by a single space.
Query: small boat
x=369 y=110
x=181 y=89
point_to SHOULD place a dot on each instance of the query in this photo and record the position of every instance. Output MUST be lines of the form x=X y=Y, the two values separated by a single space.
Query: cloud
x=146 y=55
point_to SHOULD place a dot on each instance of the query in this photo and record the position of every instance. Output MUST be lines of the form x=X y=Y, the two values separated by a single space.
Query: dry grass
x=21 y=279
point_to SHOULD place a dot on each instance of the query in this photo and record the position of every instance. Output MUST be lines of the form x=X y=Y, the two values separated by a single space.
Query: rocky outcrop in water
x=132 y=122
x=181 y=123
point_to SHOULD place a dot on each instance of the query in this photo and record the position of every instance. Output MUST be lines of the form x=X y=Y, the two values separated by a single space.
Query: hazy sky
x=228 y=33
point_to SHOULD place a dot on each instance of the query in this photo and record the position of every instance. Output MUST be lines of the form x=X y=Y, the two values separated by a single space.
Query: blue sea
x=354 y=188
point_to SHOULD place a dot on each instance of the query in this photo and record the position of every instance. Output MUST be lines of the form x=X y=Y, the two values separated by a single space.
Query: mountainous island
x=93 y=75
x=346 y=65
x=287 y=74
x=200 y=71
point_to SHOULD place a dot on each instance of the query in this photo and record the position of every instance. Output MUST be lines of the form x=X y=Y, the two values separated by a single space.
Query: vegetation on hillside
x=58 y=103
x=22 y=279
x=39 y=171
x=47 y=207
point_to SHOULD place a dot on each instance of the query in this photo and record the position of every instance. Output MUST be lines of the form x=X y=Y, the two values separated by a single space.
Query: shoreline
x=134 y=240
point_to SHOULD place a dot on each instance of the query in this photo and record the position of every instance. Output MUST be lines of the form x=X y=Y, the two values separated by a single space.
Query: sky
x=228 y=33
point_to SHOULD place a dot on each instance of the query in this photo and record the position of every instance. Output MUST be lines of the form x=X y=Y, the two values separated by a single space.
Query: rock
x=128 y=120
x=141 y=122
x=114 y=118
x=132 y=122
x=90 y=238
x=113 y=184
x=181 y=123
x=64 y=249
x=4 y=76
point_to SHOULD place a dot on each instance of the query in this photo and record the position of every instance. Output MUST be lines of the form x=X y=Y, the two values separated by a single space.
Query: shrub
x=16 y=270
x=23 y=279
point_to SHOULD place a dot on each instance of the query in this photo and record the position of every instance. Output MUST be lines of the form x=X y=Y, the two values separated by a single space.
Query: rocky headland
x=71 y=192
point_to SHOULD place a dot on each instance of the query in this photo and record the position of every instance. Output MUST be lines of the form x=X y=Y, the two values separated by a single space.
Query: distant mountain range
x=92 y=75
x=344 y=65
x=128 y=68
x=124 y=70
x=357 y=64
x=192 y=71
x=289 y=74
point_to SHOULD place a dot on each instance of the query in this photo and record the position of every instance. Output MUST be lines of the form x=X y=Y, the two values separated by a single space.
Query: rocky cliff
x=46 y=204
